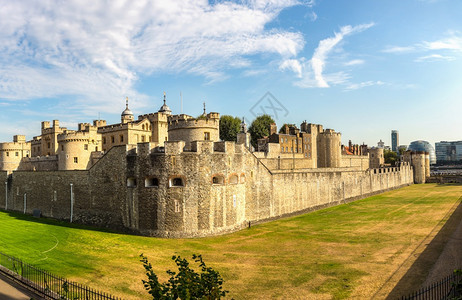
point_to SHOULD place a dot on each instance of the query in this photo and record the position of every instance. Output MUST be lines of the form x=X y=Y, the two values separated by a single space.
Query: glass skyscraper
x=394 y=140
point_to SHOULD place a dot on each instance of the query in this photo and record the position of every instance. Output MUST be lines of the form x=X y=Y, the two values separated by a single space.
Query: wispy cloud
x=97 y=52
x=451 y=44
x=355 y=86
x=313 y=70
x=398 y=49
x=434 y=57
x=354 y=62
x=293 y=65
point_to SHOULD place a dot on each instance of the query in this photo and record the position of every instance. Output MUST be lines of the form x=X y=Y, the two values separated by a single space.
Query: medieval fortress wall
x=184 y=182
x=214 y=188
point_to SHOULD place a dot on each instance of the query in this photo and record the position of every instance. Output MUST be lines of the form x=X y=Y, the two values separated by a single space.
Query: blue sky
x=360 y=67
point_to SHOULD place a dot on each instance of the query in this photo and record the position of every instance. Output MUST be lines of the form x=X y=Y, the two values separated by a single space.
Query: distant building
x=423 y=146
x=394 y=140
x=381 y=144
x=448 y=151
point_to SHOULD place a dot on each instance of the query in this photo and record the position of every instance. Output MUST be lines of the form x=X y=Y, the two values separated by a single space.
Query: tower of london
x=168 y=175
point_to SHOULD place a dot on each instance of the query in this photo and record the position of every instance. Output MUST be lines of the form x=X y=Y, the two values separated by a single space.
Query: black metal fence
x=46 y=284
x=448 y=288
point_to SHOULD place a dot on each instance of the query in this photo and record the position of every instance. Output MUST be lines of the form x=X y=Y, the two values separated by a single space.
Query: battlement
x=71 y=135
x=13 y=146
x=154 y=117
x=99 y=123
x=211 y=120
x=330 y=132
x=178 y=147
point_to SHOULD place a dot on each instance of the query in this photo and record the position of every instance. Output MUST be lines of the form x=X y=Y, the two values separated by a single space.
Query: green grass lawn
x=347 y=251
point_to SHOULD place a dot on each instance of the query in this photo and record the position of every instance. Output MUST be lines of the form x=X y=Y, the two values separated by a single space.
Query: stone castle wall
x=211 y=189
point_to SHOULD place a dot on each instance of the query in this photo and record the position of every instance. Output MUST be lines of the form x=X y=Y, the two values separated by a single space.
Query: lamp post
x=72 y=202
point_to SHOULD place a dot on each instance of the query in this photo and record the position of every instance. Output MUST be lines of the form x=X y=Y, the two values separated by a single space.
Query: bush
x=186 y=284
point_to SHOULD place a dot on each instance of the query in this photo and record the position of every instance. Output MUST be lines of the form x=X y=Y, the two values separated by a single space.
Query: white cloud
x=354 y=62
x=355 y=86
x=98 y=50
x=399 y=49
x=313 y=70
x=451 y=44
x=292 y=65
x=434 y=57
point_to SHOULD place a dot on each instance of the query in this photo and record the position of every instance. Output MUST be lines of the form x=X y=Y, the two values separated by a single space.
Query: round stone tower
x=418 y=164
x=188 y=129
x=75 y=147
x=376 y=159
x=329 y=149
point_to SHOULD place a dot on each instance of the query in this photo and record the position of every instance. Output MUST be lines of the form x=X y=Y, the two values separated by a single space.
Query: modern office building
x=448 y=151
x=394 y=140
x=423 y=146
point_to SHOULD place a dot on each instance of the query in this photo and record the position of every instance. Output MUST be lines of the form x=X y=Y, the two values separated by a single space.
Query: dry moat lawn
x=356 y=250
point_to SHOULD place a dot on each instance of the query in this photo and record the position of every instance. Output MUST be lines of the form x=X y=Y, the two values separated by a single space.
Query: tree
x=391 y=157
x=260 y=128
x=186 y=284
x=281 y=130
x=229 y=128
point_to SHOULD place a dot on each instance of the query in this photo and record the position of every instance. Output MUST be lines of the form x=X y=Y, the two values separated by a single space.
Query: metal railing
x=46 y=284
x=447 y=288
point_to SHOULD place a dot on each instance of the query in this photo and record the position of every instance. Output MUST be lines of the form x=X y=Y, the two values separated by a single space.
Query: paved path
x=9 y=290
x=450 y=258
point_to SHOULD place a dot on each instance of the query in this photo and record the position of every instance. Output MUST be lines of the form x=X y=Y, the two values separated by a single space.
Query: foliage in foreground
x=187 y=283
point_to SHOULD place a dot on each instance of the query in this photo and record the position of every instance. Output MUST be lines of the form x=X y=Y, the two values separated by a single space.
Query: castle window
x=17 y=154
x=49 y=146
x=142 y=126
x=282 y=140
x=150 y=127
x=242 y=178
x=112 y=139
x=282 y=149
x=131 y=182
x=372 y=155
x=96 y=149
x=104 y=140
x=287 y=149
x=121 y=138
x=142 y=138
x=151 y=182
x=62 y=147
x=309 y=155
x=207 y=136
x=233 y=179
x=176 y=181
x=85 y=147
x=76 y=160
x=8 y=154
x=286 y=140
x=218 y=179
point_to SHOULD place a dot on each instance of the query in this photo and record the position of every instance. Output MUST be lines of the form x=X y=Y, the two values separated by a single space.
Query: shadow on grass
x=60 y=223
x=418 y=272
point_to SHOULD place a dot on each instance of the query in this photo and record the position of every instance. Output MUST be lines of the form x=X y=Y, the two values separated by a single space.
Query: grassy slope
x=345 y=251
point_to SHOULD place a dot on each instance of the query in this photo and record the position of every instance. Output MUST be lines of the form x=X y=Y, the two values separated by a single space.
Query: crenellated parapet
x=186 y=128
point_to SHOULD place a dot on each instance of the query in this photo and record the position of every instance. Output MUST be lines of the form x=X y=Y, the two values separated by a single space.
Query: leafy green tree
x=186 y=284
x=260 y=128
x=281 y=130
x=390 y=157
x=229 y=128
